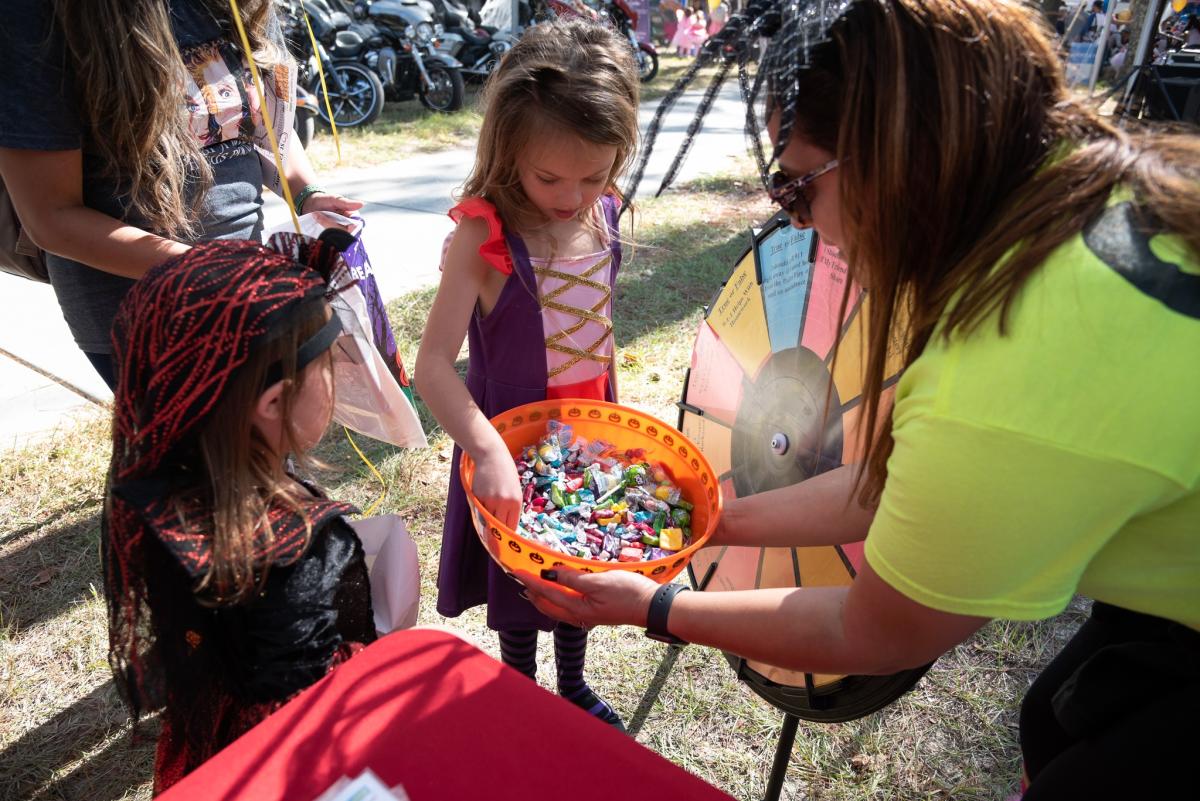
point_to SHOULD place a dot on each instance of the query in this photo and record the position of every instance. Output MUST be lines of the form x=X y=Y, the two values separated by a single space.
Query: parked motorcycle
x=409 y=29
x=624 y=19
x=305 y=120
x=477 y=47
x=355 y=92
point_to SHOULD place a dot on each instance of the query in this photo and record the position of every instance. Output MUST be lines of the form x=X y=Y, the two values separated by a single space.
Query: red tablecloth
x=430 y=711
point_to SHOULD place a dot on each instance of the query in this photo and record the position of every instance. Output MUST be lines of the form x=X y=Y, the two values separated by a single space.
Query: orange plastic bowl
x=626 y=429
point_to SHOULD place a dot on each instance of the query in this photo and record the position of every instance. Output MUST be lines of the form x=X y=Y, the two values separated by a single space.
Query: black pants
x=1117 y=713
x=104 y=366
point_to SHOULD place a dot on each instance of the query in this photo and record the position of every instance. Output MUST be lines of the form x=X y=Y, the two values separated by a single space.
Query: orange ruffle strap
x=494 y=250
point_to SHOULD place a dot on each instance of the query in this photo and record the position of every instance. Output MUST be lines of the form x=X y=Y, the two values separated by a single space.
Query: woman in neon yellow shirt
x=1042 y=268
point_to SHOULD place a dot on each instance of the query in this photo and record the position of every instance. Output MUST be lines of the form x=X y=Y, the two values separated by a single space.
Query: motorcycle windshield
x=398 y=14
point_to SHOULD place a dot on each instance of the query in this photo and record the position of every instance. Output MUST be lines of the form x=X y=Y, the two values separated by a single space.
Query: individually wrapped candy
x=585 y=499
x=559 y=434
x=670 y=539
x=593 y=451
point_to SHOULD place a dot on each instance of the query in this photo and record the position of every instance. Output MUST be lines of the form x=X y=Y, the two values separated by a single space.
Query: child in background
x=683 y=27
x=529 y=275
x=720 y=15
x=668 y=8
x=231 y=586
x=699 y=31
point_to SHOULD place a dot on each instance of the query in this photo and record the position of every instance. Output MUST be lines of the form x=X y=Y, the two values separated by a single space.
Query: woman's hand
x=613 y=598
x=498 y=487
x=324 y=201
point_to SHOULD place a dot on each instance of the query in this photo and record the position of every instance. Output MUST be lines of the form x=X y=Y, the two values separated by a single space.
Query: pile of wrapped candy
x=588 y=500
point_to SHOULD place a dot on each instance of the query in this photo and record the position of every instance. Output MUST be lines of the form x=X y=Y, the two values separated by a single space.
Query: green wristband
x=304 y=195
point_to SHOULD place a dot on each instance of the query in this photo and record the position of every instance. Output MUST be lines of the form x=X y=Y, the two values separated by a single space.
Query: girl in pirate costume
x=529 y=276
x=230 y=585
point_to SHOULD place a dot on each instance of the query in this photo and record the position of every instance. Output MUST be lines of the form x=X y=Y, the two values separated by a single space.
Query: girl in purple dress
x=528 y=275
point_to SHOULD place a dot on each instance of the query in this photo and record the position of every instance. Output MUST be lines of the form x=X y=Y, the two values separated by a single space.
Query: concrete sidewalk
x=46 y=383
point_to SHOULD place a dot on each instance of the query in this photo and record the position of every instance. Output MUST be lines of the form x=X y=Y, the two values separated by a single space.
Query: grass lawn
x=670 y=69
x=401 y=130
x=62 y=730
x=408 y=127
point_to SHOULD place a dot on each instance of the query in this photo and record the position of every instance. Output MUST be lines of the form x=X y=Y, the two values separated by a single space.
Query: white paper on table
x=366 y=787
x=394 y=569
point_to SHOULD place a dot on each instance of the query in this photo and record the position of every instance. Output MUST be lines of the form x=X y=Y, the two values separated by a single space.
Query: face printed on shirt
x=219 y=105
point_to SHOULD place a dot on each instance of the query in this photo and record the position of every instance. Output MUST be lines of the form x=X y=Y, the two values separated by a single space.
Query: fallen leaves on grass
x=44 y=576
x=860 y=763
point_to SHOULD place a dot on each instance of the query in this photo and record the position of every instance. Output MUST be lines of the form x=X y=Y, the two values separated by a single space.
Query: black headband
x=309 y=350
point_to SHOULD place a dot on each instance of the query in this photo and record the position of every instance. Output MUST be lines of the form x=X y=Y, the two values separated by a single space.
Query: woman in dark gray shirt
x=134 y=130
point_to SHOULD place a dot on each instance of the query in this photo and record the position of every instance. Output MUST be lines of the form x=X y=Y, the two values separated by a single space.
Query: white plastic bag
x=367 y=399
x=395 y=572
x=367 y=396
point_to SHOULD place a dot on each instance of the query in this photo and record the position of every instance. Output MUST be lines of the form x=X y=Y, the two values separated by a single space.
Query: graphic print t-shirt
x=219 y=99
x=223 y=105
x=223 y=111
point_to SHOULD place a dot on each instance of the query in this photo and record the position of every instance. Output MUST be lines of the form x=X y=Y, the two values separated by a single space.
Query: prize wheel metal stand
x=769 y=407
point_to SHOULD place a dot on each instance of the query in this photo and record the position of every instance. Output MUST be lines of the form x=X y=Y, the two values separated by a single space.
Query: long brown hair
x=243 y=474
x=963 y=163
x=131 y=82
x=573 y=76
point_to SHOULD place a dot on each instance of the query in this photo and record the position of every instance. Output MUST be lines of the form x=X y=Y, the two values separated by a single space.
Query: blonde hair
x=131 y=81
x=922 y=100
x=242 y=474
x=574 y=76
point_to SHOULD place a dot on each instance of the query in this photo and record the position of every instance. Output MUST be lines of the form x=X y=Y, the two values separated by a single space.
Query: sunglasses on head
x=789 y=192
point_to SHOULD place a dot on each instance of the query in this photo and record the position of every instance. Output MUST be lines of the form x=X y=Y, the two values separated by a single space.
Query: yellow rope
x=337 y=142
x=370 y=511
x=262 y=96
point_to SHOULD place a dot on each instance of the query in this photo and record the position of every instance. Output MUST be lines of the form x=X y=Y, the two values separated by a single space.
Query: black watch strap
x=660 y=610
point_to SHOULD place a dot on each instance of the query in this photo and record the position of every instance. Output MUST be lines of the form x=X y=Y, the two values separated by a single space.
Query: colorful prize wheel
x=766 y=403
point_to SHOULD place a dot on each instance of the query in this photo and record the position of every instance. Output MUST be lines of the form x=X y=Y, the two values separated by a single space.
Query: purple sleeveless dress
x=507 y=368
